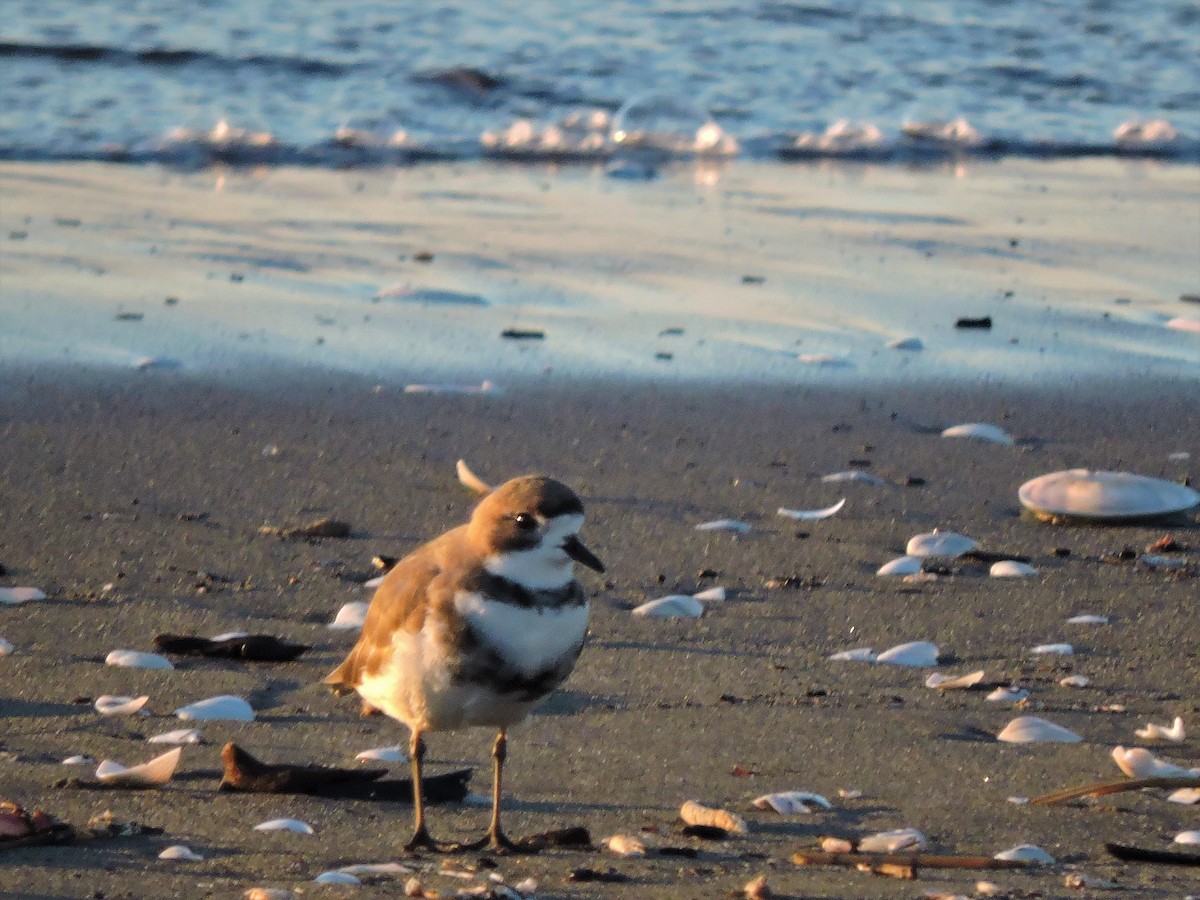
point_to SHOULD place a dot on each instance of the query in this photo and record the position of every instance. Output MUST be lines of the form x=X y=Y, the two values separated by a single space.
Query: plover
x=476 y=626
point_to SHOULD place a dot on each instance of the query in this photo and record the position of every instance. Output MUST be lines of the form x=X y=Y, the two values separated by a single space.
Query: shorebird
x=475 y=627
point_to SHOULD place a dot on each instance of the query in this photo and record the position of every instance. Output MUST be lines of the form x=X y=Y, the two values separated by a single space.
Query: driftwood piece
x=912 y=860
x=1115 y=787
x=250 y=647
x=1141 y=854
x=243 y=772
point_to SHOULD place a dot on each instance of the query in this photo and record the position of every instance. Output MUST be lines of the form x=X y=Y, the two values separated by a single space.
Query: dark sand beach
x=135 y=500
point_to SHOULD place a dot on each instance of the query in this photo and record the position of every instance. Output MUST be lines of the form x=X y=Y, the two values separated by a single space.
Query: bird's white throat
x=544 y=567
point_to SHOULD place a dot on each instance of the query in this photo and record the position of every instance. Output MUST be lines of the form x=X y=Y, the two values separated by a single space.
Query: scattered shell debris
x=293 y=825
x=1175 y=732
x=223 y=706
x=941 y=682
x=893 y=841
x=980 y=431
x=1011 y=568
x=113 y=705
x=790 y=803
x=351 y=616
x=157 y=771
x=137 y=659
x=14 y=595
x=733 y=525
x=693 y=813
x=625 y=845
x=811 y=515
x=181 y=852
x=1104 y=496
x=940 y=543
x=1035 y=730
x=1010 y=694
x=1138 y=762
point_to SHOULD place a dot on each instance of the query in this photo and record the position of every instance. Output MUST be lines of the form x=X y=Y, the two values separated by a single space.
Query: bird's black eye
x=526 y=522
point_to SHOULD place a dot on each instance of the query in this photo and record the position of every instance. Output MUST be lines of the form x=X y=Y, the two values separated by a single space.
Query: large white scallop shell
x=136 y=659
x=1029 y=853
x=789 y=803
x=224 y=706
x=293 y=825
x=15 y=595
x=1175 y=732
x=1138 y=762
x=351 y=616
x=1104 y=496
x=111 y=705
x=673 y=606
x=1011 y=568
x=940 y=543
x=157 y=771
x=980 y=431
x=893 y=841
x=901 y=565
x=914 y=653
x=1034 y=730
x=811 y=515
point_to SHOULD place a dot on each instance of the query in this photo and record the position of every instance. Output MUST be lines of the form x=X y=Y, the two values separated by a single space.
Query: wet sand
x=157 y=483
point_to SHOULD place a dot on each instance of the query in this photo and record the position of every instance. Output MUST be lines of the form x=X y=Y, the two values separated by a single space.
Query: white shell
x=1086 y=494
x=1161 y=561
x=78 y=759
x=948 y=683
x=229 y=635
x=940 y=543
x=1187 y=837
x=1010 y=568
x=1075 y=681
x=1187 y=796
x=178 y=736
x=901 y=565
x=136 y=659
x=893 y=841
x=824 y=359
x=294 y=825
x=1184 y=323
x=388 y=868
x=335 y=877
x=859 y=654
x=1087 y=619
x=5 y=647
x=854 y=475
x=788 y=803
x=351 y=616
x=811 y=515
x=111 y=705
x=1027 y=853
x=260 y=893
x=470 y=480
x=1052 y=650
x=980 y=431
x=914 y=653
x=1011 y=694
x=157 y=771
x=14 y=595
x=181 y=852
x=711 y=594
x=908 y=343
x=724 y=525
x=1137 y=762
x=1174 y=732
x=672 y=606
x=1033 y=730
x=624 y=845
x=382 y=754
x=371 y=584
x=224 y=706
x=484 y=387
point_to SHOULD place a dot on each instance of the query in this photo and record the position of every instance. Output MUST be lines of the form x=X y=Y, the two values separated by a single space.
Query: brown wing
x=400 y=602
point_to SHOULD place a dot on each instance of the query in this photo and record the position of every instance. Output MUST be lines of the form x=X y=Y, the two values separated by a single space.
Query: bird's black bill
x=574 y=548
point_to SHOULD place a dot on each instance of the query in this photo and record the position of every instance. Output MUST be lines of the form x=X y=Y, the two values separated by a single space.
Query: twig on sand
x=1115 y=787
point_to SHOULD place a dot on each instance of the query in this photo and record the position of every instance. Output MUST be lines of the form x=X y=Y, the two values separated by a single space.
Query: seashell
x=79 y=759
x=757 y=889
x=1033 y=730
x=470 y=480
x=267 y=894
x=228 y=636
x=1174 y=733
x=824 y=359
x=1137 y=762
x=859 y=654
x=372 y=583
x=1079 y=881
x=673 y=606
x=382 y=754
x=388 y=868
x=484 y=387
x=1010 y=568
x=811 y=515
x=1187 y=837
x=1018 y=801
x=724 y=525
x=335 y=877
x=987 y=888
x=15 y=595
x=1029 y=853
x=111 y=705
x=1075 y=681
x=713 y=593
x=893 y=841
x=980 y=431
x=902 y=565
x=624 y=845
x=914 y=653
x=178 y=736
x=849 y=793
x=414 y=888
x=831 y=844
x=920 y=578
x=1187 y=796
x=1011 y=694
x=1183 y=323
x=940 y=543
x=6 y=648
x=1087 y=619
x=157 y=771
x=908 y=343
x=789 y=803
x=941 y=682
x=181 y=852
x=224 y=706
x=1100 y=496
x=1159 y=561
x=853 y=475
x=351 y=616
x=694 y=813
x=293 y=825
x=1053 y=650
x=136 y=659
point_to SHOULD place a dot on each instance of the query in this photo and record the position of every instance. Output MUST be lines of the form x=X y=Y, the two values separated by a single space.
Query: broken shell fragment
x=941 y=682
x=259 y=893
x=1011 y=568
x=382 y=754
x=1104 y=496
x=224 y=706
x=351 y=616
x=859 y=654
x=811 y=515
x=181 y=852
x=293 y=825
x=470 y=480
x=902 y=565
x=757 y=889
x=853 y=475
x=1174 y=733
x=1186 y=796
x=914 y=653
x=724 y=525
x=790 y=803
x=907 y=343
x=111 y=705
x=832 y=844
x=1010 y=694
x=711 y=594
x=157 y=771
x=1052 y=650
x=6 y=648
x=1029 y=853
x=693 y=813
x=1087 y=619
x=673 y=606
x=15 y=595
x=1034 y=730
x=1137 y=762
x=78 y=759
x=893 y=841
x=136 y=659
x=1187 y=837
x=1075 y=681
x=333 y=876
x=980 y=431
x=178 y=736
x=624 y=845
x=940 y=543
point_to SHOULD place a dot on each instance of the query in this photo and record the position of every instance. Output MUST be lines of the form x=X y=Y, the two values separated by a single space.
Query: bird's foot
x=498 y=842
x=422 y=840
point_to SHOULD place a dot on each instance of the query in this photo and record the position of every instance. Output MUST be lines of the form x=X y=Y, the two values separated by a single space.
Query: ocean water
x=334 y=84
